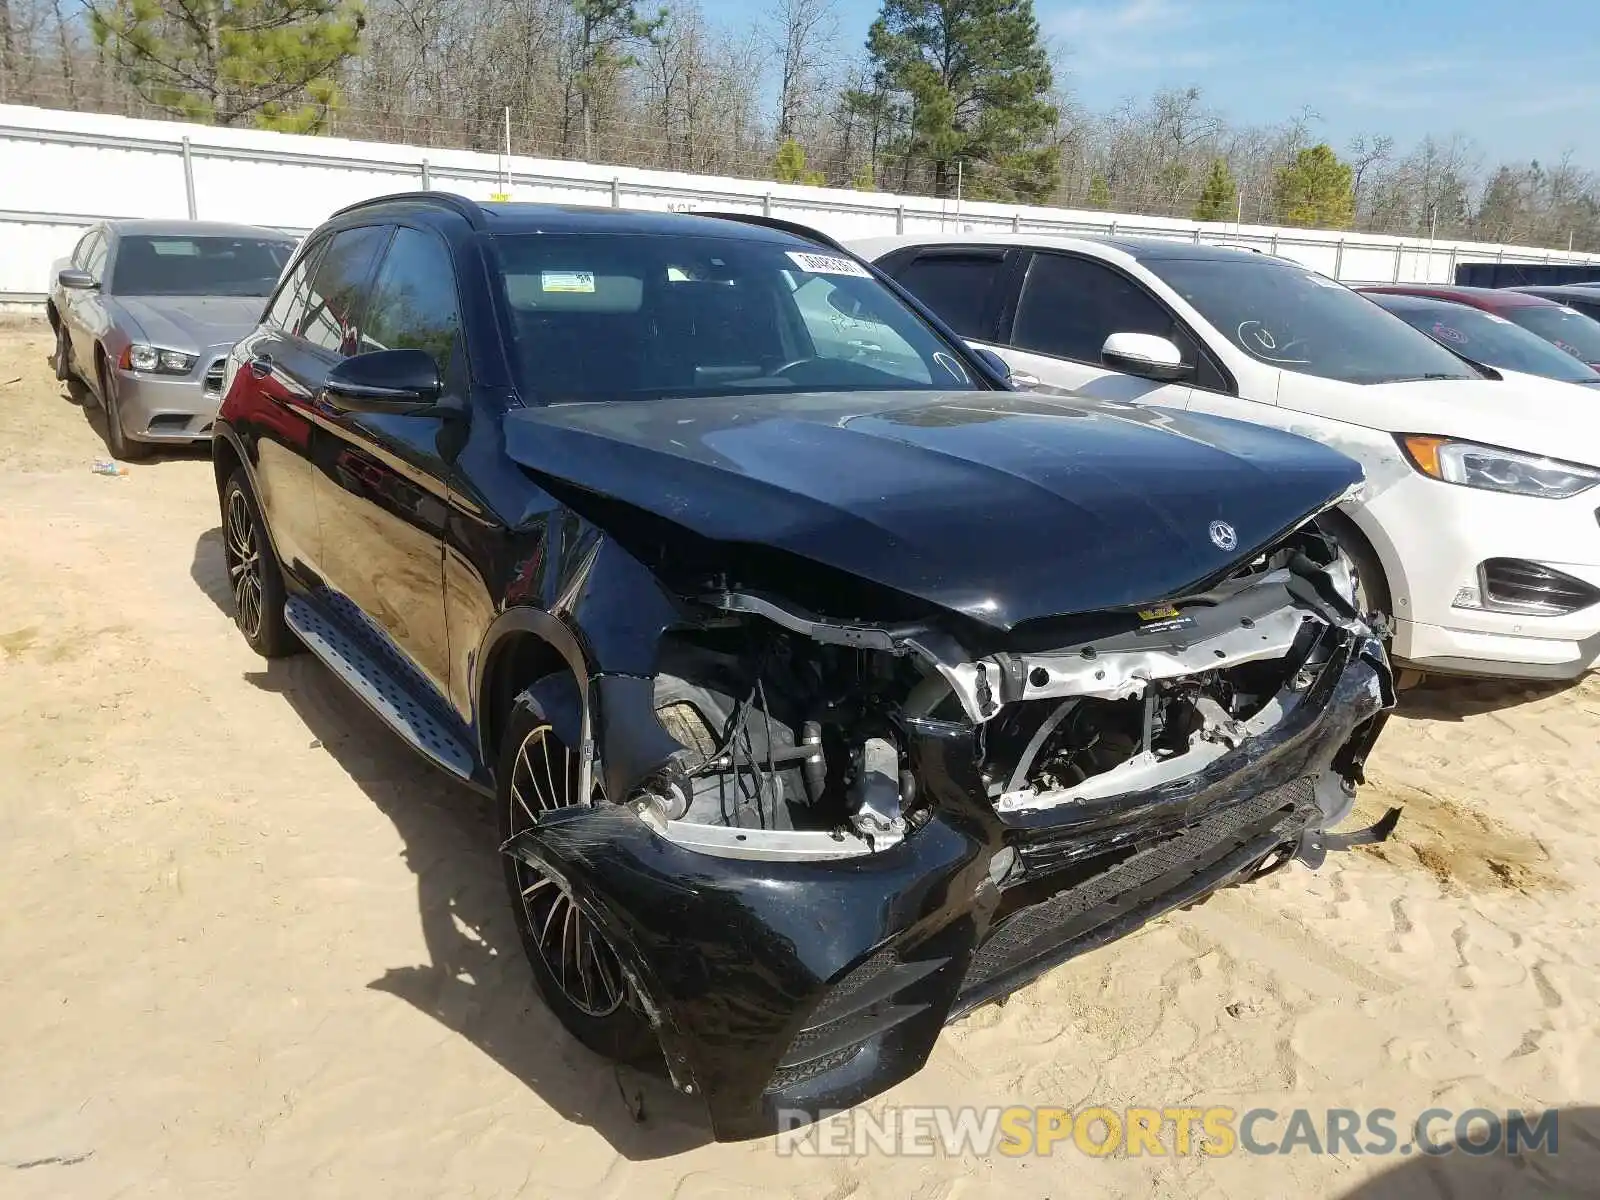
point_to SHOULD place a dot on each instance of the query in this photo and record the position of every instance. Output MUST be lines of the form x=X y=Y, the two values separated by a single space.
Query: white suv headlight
x=1493 y=469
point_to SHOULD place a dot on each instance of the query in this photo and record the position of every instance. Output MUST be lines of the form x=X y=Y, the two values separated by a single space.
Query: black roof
x=512 y=217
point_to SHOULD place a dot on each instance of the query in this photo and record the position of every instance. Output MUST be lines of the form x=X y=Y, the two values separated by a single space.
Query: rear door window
x=959 y=285
x=332 y=313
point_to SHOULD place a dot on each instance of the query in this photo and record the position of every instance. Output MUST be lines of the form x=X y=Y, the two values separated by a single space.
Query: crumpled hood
x=1002 y=506
x=192 y=323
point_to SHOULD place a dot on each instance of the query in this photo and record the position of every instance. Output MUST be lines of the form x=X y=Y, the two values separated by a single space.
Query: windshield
x=198 y=266
x=640 y=316
x=1487 y=338
x=1292 y=318
x=1566 y=327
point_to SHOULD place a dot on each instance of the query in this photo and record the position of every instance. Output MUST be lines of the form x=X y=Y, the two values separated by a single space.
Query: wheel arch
x=1356 y=525
x=226 y=458
x=523 y=646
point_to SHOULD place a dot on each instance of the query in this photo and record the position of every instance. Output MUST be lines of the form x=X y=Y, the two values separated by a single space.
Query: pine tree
x=789 y=166
x=1315 y=189
x=271 y=63
x=974 y=77
x=1501 y=212
x=1099 y=192
x=1219 y=196
x=599 y=47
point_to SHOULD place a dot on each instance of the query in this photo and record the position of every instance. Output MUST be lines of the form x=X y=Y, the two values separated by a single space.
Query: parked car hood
x=1001 y=506
x=192 y=322
x=1518 y=412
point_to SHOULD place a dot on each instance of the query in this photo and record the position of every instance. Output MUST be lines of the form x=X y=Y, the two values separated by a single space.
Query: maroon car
x=1555 y=322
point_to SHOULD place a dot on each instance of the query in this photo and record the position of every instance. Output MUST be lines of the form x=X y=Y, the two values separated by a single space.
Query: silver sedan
x=145 y=313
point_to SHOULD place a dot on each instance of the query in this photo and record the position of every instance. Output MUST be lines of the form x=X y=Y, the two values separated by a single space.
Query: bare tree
x=800 y=34
x=1367 y=151
x=605 y=79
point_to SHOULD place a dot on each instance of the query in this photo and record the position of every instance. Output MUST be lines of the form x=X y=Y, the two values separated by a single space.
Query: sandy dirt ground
x=251 y=946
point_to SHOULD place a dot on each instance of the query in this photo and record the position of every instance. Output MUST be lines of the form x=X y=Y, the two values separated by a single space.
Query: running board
x=347 y=658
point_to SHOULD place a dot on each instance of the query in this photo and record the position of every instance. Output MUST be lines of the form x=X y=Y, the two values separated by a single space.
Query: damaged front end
x=823 y=841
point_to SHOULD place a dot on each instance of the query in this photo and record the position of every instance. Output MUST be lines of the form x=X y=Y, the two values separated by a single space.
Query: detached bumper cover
x=798 y=987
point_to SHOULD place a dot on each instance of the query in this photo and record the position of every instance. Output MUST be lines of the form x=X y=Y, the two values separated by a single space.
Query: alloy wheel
x=582 y=963
x=243 y=558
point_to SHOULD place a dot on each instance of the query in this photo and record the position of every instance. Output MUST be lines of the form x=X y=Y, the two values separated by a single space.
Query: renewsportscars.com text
x=1135 y=1131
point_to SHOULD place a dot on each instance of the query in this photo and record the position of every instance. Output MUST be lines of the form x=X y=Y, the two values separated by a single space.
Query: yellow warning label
x=1164 y=612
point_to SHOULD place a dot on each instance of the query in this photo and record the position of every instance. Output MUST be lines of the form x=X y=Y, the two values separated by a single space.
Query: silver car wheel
x=577 y=955
x=244 y=564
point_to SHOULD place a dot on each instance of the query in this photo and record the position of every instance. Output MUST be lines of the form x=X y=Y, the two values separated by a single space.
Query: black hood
x=1001 y=506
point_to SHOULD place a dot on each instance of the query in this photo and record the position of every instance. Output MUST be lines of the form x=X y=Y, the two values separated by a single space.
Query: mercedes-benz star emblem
x=1223 y=536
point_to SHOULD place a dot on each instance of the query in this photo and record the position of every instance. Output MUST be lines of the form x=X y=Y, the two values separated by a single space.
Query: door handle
x=261 y=366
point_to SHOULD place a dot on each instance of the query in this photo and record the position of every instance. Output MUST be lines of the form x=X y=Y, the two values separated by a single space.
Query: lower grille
x=867 y=1002
x=212 y=385
x=1043 y=931
x=1517 y=585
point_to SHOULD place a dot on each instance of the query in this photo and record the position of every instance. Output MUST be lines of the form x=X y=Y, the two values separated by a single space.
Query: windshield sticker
x=1449 y=333
x=1497 y=318
x=571 y=282
x=828 y=264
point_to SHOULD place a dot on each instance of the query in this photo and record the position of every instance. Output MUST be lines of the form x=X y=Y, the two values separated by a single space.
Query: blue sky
x=1521 y=79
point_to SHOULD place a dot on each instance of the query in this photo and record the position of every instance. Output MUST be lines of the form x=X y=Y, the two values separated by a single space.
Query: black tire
x=122 y=447
x=584 y=986
x=254 y=576
x=61 y=360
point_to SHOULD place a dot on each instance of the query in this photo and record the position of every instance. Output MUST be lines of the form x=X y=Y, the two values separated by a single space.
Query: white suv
x=1479 y=529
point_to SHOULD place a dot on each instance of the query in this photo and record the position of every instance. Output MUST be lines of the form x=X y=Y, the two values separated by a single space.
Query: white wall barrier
x=60 y=171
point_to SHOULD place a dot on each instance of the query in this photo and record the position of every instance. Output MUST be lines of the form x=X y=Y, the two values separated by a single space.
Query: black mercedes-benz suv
x=826 y=685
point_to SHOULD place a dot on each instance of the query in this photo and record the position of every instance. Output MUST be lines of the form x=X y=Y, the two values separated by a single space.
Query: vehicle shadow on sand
x=1455 y=698
x=78 y=395
x=477 y=982
x=1569 y=1166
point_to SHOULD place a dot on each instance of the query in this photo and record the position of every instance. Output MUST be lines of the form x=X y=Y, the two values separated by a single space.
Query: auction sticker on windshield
x=827 y=264
x=581 y=282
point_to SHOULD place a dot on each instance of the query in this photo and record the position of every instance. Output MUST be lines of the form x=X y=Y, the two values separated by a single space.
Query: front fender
x=732 y=957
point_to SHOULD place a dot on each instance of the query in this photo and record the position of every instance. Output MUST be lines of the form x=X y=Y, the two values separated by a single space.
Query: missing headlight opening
x=800 y=737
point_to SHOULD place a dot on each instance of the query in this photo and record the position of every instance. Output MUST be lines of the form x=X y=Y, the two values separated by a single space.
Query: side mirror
x=1144 y=355
x=76 y=280
x=385 y=381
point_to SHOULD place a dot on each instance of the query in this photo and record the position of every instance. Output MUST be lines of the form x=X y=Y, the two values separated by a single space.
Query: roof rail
x=457 y=204
x=782 y=226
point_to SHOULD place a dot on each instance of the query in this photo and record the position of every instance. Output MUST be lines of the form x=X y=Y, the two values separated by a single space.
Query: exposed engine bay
x=795 y=731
